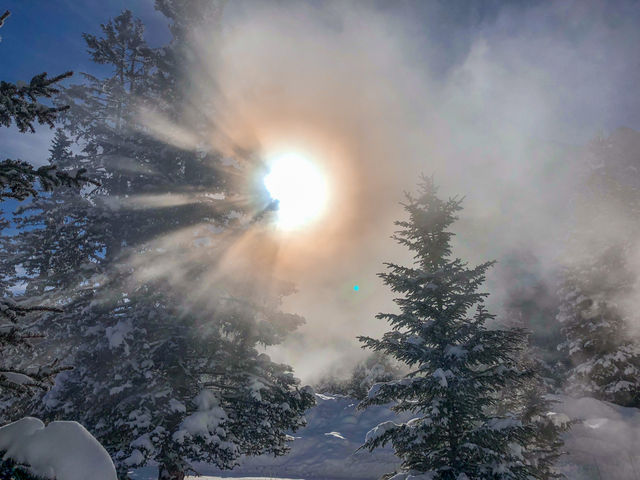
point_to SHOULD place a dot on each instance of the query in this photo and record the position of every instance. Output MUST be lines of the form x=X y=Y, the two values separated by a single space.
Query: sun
x=300 y=188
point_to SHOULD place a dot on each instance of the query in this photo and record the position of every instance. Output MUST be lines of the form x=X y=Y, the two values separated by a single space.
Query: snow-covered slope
x=605 y=442
x=603 y=445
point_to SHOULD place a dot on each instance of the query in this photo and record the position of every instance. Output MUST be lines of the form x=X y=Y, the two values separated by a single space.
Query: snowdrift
x=61 y=450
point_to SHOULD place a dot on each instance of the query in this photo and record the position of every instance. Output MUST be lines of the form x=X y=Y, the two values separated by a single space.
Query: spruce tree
x=55 y=249
x=598 y=285
x=604 y=354
x=460 y=371
x=376 y=368
x=161 y=375
x=184 y=385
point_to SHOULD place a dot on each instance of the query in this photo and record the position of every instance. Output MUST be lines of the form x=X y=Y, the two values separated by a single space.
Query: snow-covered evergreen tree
x=598 y=285
x=460 y=370
x=376 y=368
x=530 y=400
x=605 y=356
x=160 y=375
x=53 y=257
x=25 y=449
x=182 y=386
x=56 y=247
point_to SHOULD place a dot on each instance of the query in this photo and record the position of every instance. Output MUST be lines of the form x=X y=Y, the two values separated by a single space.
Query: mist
x=498 y=108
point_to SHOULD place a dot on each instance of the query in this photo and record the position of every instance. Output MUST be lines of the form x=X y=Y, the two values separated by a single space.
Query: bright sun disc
x=299 y=187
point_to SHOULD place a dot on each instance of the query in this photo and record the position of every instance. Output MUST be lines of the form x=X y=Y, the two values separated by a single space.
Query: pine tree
x=55 y=245
x=605 y=356
x=182 y=387
x=598 y=285
x=460 y=371
x=375 y=368
x=160 y=375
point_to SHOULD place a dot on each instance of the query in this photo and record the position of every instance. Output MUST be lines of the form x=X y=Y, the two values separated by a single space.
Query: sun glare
x=299 y=187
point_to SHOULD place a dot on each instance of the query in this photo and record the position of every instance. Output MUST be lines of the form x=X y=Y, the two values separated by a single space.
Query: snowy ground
x=604 y=445
x=240 y=478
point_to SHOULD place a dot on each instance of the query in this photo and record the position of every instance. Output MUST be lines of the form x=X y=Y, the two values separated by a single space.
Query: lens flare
x=299 y=187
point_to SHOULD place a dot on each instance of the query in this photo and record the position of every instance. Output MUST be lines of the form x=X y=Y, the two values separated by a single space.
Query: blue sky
x=46 y=36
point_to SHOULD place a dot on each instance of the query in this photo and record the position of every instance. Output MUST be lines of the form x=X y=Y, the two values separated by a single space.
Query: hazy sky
x=490 y=97
x=491 y=101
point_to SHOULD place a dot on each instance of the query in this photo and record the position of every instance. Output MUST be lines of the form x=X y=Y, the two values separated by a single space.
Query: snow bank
x=604 y=443
x=61 y=450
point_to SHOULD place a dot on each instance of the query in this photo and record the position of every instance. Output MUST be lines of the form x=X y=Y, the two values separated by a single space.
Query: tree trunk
x=170 y=472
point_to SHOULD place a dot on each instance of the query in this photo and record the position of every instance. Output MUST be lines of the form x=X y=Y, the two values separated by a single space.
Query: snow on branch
x=19 y=102
x=18 y=179
x=12 y=377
